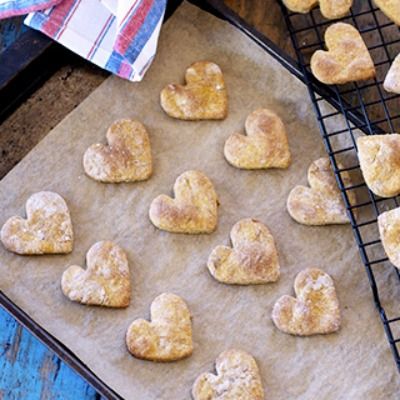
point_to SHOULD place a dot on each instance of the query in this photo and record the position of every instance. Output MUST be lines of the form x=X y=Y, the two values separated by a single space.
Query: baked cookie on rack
x=106 y=280
x=379 y=157
x=203 y=97
x=391 y=8
x=322 y=202
x=193 y=210
x=237 y=378
x=265 y=144
x=47 y=228
x=392 y=80
x=331 y=9
x=168 y=337
x=252 y=259
x=126 y=157
x=389 y=231
x=347 y=58
x=315 y=309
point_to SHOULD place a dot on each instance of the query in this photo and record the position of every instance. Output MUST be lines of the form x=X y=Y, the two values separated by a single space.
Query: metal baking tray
x=217 y=8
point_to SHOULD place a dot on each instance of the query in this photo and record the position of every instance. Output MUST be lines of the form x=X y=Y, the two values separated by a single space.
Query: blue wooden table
x=30 y=371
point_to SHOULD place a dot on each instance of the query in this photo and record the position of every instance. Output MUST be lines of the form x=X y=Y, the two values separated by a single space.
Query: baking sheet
x=354 y=364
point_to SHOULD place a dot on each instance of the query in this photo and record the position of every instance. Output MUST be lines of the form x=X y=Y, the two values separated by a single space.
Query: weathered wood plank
x=28 y=370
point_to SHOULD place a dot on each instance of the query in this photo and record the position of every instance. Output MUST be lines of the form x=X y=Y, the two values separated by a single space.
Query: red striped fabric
x=131 y=28
x=53 y=25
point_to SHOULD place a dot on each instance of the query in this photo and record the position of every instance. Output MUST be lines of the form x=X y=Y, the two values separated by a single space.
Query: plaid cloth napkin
x=120 y=36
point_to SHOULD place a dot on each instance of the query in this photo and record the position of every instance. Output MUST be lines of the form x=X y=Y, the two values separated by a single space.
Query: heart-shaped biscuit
x=347 y=58
x=253 y=258
x=389 y=231
x=379 y=157
x=265 y=146
x=238 y=378
x=193 y=210
x=391 y=8
x=331 y=9
x=168 y=337
x=126 y=157
x=105 y=282
x=47 y=229
x=392 y=80
x=203 y=97
x=315 y=310
x=321 y=203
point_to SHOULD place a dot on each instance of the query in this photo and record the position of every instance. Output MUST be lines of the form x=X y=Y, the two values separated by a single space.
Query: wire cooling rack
x=359 y=107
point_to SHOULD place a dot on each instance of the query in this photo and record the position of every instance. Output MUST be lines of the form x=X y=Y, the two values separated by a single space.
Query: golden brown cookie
x=321 y=203
x=46 y=230
x=392 y=80
x=126 y=157
x=379 y=157
x=347 y=58
x=252 y=260
x=106 y=280
x=314 y=310
x=391 y=8
x=237 y=378
x=203 y=97
x=264 y=146
x=331 y=9
x=168 y=337
x=389 y=231
x=193 y=210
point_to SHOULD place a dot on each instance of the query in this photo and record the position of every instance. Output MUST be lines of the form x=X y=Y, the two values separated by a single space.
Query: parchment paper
x=353 y=364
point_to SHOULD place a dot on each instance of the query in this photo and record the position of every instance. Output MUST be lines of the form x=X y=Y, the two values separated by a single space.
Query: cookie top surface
x=46 y=230
x=347 y=58
x=237 y=378
x=203 y=97
x=125 y=158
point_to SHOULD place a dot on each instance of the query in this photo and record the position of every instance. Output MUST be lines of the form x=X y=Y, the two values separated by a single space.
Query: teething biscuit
x=389 y=231
x=193 y=210
x=46 y=230
x=203 y=97
x=391 y=8
x=253 y=258
x=392 y=80
x=168 y=337
x=331 y=9
x=347 y=58
x=379 y=157
x=106 y=280
x=264 y=146
x=321 y=203
x=314 y=310
x=126 y=157
x=237 y=378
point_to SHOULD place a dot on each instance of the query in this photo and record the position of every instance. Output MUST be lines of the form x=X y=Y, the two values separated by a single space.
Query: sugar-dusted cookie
x=314 y=310
x=193 y=210
x=237 y=378
x=264 y=146
x=168 y=337
x=347 y=58
x=203 y=97
x=379 y=157
x=321 y=203
x=46 y=230
x=253 y=258
x=391 y=8
x=126 y=157
x=392 y=80
x=389 y=231
x=106 y=280
x=331 y=9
